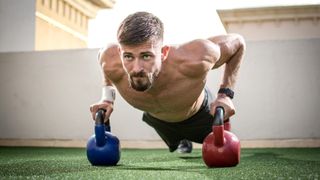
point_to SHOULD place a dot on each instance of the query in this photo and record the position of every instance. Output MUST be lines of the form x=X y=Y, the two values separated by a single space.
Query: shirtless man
x=168 y=82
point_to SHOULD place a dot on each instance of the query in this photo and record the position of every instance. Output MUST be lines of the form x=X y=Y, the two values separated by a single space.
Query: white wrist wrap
x=108 y=93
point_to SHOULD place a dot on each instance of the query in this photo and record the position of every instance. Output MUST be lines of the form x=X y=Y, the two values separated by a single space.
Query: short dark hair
x=140 y=27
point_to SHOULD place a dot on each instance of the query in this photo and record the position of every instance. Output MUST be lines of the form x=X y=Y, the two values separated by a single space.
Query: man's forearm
x=232 y=68
x=108 y=91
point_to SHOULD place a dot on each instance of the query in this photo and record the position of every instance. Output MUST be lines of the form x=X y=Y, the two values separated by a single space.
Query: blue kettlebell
x=103 y=148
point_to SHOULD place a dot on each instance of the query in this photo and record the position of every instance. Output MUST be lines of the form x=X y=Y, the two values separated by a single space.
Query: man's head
x=140 y=27
x=140 y=36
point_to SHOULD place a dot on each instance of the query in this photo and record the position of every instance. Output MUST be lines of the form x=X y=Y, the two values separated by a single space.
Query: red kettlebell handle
x=218 y=116
x=218 y=128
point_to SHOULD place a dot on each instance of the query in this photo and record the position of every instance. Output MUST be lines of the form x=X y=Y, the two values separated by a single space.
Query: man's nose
x=137 y=66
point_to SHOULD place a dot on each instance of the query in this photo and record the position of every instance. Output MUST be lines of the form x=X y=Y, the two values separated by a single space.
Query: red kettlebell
x=220 y=148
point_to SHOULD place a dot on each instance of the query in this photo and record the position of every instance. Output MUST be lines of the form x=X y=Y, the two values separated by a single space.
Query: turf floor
x=71 y=163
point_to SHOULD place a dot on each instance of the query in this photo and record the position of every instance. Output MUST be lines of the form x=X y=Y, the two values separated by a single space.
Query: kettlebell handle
x=100 y=128
x=100 y=115
x=217 y=127
x=218 y=117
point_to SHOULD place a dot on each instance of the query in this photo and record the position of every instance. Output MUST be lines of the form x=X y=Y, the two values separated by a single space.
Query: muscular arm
x=232 y=48
x=105 y=80
x=107 y=58
x=110 y=64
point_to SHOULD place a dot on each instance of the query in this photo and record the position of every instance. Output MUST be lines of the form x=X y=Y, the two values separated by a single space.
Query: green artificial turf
x=71 y=163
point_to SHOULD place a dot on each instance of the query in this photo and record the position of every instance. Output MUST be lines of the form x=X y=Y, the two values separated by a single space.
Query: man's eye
x=127 y=57
x=146 y=57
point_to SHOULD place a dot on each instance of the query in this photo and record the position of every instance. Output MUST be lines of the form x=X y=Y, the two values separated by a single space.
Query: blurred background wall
x=45 y=95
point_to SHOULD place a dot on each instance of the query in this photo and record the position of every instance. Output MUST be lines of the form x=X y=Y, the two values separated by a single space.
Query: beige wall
x=62 y=24
x=46 y=95
x=271 y=30
x=49 y=37
x=273 y=23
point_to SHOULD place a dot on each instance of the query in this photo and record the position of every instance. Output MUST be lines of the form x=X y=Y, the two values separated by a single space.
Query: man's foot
x=185 y=146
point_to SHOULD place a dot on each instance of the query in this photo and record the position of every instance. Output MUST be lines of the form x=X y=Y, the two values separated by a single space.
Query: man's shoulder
x=198 y=49
x=197 y=44
x=193 y=56
x=109 y=51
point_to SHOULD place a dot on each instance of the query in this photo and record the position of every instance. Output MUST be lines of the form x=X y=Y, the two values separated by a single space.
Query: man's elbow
x=241 y=41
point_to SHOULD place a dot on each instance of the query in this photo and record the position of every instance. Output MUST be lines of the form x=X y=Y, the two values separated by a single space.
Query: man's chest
x=172 y=96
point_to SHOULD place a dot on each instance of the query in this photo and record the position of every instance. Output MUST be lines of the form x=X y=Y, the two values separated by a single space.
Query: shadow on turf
x=190 y=157
x=145 y=168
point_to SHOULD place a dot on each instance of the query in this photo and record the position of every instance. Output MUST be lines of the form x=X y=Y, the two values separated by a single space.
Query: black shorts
x=195 y=128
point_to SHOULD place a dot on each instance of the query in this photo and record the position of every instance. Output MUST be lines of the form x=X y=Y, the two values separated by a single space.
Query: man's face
x=142 y=63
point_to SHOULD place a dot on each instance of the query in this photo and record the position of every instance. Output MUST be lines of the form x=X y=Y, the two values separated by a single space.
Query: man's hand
x=108 y=106
x=225 y=102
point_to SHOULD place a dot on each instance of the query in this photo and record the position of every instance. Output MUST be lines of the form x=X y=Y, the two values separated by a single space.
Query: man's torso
x=177 y=93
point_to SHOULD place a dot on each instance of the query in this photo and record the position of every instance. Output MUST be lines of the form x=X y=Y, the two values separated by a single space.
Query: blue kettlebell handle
x=100 y=128
x=100 y=115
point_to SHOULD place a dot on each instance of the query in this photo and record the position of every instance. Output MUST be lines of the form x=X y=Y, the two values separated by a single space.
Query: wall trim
x=155 y=144
x=61 y=26
x=275 y=13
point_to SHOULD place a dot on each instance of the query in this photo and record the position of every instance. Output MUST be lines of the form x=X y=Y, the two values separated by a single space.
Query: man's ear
x=164 y=52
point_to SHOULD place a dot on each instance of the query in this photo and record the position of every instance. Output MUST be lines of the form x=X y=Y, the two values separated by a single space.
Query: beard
x=141 y=81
